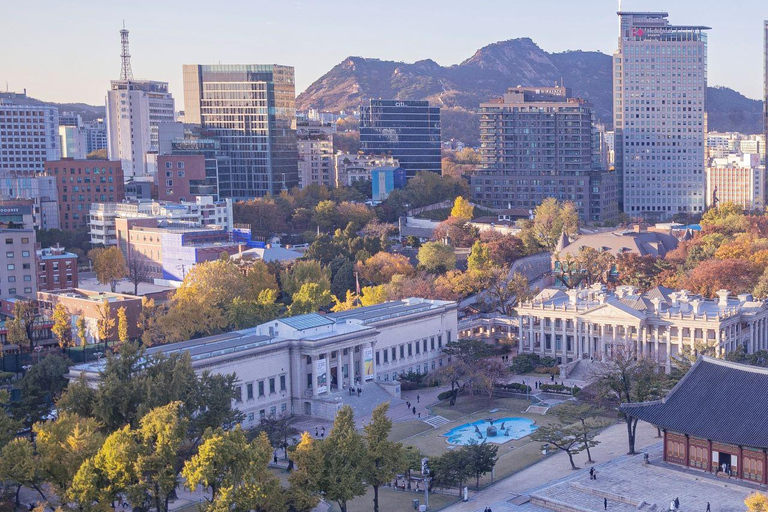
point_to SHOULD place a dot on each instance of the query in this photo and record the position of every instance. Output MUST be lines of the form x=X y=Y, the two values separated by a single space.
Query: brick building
x=181 y=177
x=56 y=269
x=82 y=182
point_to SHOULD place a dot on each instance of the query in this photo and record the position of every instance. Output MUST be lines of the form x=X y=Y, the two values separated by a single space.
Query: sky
x=68 y=51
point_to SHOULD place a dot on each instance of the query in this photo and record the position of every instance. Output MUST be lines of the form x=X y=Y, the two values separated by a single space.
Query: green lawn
x=397 y=501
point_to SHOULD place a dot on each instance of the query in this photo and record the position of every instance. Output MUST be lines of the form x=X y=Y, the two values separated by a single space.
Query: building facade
x=135 y=109
x=29 y=135
x=80 y=183
x=316 y=162
x=95 y=136
x=17 y=270
x=351 y=168
x=386 y=179
x=182 y=178
x=722 y=441
x=538 y=142
x=301 y=364
x=660 y=324
x=74 y=143
x=406 y=130
x=40 y=191
x=251 y=111
x=56 y=269
x=659 y=90
x=736 y=179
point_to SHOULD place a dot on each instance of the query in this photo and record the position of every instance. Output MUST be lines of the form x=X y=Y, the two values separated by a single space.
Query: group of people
x=352 y=390
x=319 y=432
x=487 y=509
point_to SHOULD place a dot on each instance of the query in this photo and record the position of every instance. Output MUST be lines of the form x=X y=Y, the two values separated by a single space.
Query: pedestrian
x=605 y=503
x=677 y=503
x=317 y=432
x=592 y=473
x=418 y=399
x=419 y=415
x=322 y=430
x=408 y=404
x=414 y=410
x=708 y=509
x=275 y=458
x=672 y=505
x=359 y=391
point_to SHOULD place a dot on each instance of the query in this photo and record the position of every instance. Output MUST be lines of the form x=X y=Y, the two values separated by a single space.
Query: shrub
x=445 y=395
x=559 y=388
x=516 y=386
x=525 y=363
x=548 y=361
x=549 y=370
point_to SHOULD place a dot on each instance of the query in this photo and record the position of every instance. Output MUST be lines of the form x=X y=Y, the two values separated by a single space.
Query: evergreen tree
x=344 y=460
x=384 y=457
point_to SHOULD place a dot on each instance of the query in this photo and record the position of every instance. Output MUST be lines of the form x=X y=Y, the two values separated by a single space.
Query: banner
x=368 y=363
x=321 y=375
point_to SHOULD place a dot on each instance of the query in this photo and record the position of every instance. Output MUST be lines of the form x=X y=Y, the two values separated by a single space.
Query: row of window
x=12 y=291
x=249 y=388
x=420 y=346
x=272 y=412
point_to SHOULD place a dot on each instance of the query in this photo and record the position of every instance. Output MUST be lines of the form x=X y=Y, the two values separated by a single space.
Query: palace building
x=661 y=323
x=301 y=364
x=714 y=419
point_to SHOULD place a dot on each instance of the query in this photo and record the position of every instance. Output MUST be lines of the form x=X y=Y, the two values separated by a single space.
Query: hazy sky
x=68 y=50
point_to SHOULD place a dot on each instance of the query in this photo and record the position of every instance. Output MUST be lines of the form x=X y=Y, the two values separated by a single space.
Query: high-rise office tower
x=659 y=87
x=406 y=130
x=135 y=108
x=73 y=136
x=538 y=142
x=251 y=109
x=29 y=134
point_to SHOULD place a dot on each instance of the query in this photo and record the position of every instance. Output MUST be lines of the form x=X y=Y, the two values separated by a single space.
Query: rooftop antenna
x=125 y=72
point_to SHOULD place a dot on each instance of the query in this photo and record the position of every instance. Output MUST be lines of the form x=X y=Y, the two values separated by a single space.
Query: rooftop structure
x=640 y=242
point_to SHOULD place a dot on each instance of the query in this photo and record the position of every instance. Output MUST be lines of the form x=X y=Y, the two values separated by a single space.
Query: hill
x=87 y=112
x=460 y=88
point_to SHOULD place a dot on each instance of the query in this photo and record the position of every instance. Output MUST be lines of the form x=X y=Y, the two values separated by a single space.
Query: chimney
x=696 y=305
x=722 y=297
x=573 y=297
x=656 y=305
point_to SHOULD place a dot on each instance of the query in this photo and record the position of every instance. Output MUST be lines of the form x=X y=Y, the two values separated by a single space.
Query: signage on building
x=368 y=363
x=23 y=209
x=321 y=375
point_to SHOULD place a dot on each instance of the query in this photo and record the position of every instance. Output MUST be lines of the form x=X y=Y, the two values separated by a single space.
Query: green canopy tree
x=451 y=469
x=563 y=437
x=384 y=457
x=481 y=458
x=584 y=417
x=20 y=466
x=310 y=298
x=436 y=257
x=304 y=492
x=344 y=460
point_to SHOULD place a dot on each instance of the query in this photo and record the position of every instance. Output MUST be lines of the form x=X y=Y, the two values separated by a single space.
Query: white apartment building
x=592 y=323
x=659 y=88
x=135 y=108
x=357 y=167
x=29 y=134
x=203 y=212
x=316 y=163
x=302 y=364
x=736 y=178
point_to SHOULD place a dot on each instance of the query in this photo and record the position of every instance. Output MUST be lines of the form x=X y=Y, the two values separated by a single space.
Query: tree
x=480 y=458
x=305 y=478
x=309 y=299
x=324 y=216
x=757 y=502
x=138 y=271
x=466 y=364
x=382 y=266
x=243 y=313
x=109 y=266
x=552 y=218
x=628 y=379
x=480 y=257
x=343 y=281
x=737 y=276
x=63 y=445
x=583 y=416
x=636 y=270
x=304 y=271
x=105 y=322
x=279 y=429
x=39 y=387
x=8 y=425
x=458 y=232
x=351 y=301
x=462 y=209
x=122 y=325
x=344 y=460
x=62 y=326
x=82 y=330
x=384 y=457
x=563 y=437
x=25 y=316
x=503 y=249
x=235 y=471
x=436 y=257
x=450 y=469
x=371 y=295
x=20 y=465
x=507 y=289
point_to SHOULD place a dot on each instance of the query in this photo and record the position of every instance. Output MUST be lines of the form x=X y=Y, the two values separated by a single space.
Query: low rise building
x=301 y=364
x=386 y=179
x=39 y=191
x=17 y=270
x=736 y=179
x=92 y=307
x=316 y=163
x=182 y=178
x=56 y=269
x=661 y=323
x=357 y=167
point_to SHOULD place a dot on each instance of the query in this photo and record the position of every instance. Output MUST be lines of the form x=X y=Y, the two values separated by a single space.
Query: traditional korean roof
x=716 y=400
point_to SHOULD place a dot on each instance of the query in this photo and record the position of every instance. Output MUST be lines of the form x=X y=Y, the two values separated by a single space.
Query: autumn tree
x=756 y=502
x=737 y=276
x=304 y=271
x=351 y=301
x=343 y=460
x=309 y=299
x=62 y=325
x=122 y=325
x=457 y=231
x=638 y=271
x=22 y=326
x=82 y=330
x=384 y=457
x=138 y=271
x=503 y=249
x=109 y=265
x=551 y=219
x=436 y=257
x=304 y=492
x=507 y=289
x=462 y=209
x=479 y=258
x=19 y=466
x=105 y=322
x=371 y=295
x=243 y=313
x=381 y=267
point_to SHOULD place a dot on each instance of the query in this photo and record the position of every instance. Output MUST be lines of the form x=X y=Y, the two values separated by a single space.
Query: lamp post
x=38 y=349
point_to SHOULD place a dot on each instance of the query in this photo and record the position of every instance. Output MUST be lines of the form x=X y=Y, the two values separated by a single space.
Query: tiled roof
x=716 y=400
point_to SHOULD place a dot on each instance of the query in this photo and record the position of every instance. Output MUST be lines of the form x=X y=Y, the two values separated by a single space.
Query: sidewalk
x=613 y=443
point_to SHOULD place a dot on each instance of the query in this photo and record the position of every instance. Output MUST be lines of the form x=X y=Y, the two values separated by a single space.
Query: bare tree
x=138 y=271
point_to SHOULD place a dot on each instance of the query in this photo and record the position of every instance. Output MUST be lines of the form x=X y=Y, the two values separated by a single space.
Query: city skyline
x=163 y=38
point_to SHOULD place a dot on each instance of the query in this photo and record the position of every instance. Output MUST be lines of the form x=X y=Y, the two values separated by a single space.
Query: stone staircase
x=363 y=405
x=583 y=371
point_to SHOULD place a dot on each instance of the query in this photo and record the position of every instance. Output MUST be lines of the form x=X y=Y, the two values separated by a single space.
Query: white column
x=613 y=337
x=656 y=342
x=541 y=335
x=565 y=341
x=531 y=334
x=717 y=340
x=752 y=337
x=553 y=348
x=351 y=363
x=314 y=375
x=668 y=339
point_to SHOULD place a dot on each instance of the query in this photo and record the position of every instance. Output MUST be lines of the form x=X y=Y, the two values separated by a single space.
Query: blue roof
x=308 y=321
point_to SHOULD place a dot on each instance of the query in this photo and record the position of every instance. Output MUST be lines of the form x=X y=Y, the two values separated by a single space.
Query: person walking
x=677 y=503
x=414 y=410
x=592 y=473
x=418 y=399
x=322 y=431
x=605 y=503
x=708 y=509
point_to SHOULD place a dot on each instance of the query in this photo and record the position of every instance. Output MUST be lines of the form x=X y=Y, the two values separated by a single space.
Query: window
x=251 y=416
x=262 y=414
x=180 y=174
x=402 y=351
x=29 y=278
x=11 y=279
x=249 y=390
x=261 y=388
x=9 y=241
x=273 y=410
x=11 y=266
x=9 y=254
x=377 y=358
x=25 y=240
x=168 y=165
x=283 y=407
x=282 y=383
x=25 y=266
x=271 y=385
x=418 y=347
x=440 y=341
x=25 y=254
x=386 y=356
x=432 y=343
x=12 y=291
x=394 y=353
x=425 y=344
x=238 y=394
x=410 y=349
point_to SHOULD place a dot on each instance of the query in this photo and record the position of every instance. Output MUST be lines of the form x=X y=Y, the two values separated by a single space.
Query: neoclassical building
x=591 y=323
x=302 y=364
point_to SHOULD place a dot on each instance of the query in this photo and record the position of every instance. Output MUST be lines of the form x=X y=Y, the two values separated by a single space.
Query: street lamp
x=98 y=355
x=38 y=349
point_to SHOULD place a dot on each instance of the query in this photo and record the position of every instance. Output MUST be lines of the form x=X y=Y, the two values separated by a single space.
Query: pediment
x=613 y=312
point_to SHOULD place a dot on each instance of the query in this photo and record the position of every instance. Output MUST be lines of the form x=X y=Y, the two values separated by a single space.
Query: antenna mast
x=125 y=72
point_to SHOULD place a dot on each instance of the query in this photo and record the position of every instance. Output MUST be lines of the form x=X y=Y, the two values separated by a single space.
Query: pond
x=494 y=430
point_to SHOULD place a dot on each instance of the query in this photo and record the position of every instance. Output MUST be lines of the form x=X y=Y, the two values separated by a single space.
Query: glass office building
x=406 y=130
x=659 y=90
x=251 y=111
